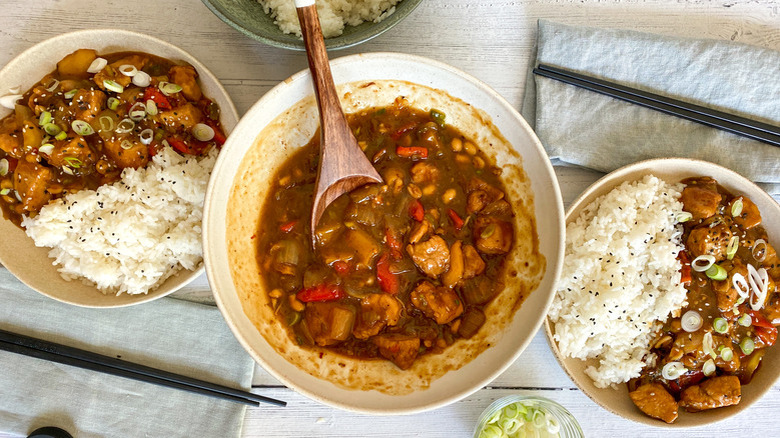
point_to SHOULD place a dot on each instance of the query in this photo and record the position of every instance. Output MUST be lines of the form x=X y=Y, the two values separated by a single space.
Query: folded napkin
x=177 y=336
x=595 y=131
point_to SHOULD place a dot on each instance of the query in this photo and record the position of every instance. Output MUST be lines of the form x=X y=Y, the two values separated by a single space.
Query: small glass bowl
x=567 y=424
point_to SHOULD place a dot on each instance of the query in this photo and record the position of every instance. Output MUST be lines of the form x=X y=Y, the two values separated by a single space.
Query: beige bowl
x=31 y=264
x=674 y=170
x=284 y=120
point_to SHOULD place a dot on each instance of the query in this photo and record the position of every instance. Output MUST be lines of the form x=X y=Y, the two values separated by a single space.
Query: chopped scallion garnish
x=684 y=217
x=62 y=135
x=73 y=162
x=44 y=118
x=745 y=320
x=731 y=249
x=113 y=86
x=720 y=325
x=736 y=207
x=5 y=192
x=4 y=167
x=716 y=272
x=113 y=103
x=169 y=88
x=747 y=346
x=709 y=367
x=47 y=149
x=727 y=354
x=71 y=93
x=52 y=129
x=81 y=127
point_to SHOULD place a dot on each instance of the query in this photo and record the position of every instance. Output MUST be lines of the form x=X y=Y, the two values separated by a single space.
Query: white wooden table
x=490 y=39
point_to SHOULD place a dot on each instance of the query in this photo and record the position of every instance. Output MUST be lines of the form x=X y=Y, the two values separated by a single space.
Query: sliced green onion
x=203 y=132
x=113 y=86
x=736 y=207
x=81 y=127
x=707 y=346
x=509 y=425
x=61 y=136
x=673 y=370
x=709 y=367
x=691 y=321
x=113 y=103
x=759 y=286
x=18 y=198
x=727 y=354
x=538 y=419
x=142 y=79
x=731 y=249
x=684 y=217
x=5 y=192
x=73 y=162
x=67 y=170
x=52 y=129
x=128 y=70
x=106 y=123
x=47 y=149
x=53 y=85
x=702 y=262
x=169 y=88
x=125 y=126
x=71 y=93
x=720 y=325
x=745 y=320
x=492 y=431
x=151 y=107
x=44 y=119
x=759 y=250
x=4 y=167
x=741 y=285
x=126 y=144
x=438 y=117
x=488 y=231
x=747 y=346
x=97 y=65
x=717 y=273
x=137 y=112
x=146 y=136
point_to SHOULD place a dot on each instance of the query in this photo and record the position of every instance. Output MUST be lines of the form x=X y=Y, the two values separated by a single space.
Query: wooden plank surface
x=490 y=39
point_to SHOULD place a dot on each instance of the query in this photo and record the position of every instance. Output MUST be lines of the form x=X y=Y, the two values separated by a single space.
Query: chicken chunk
x=492 y=235
x=424 y=173
x=749 y=217
x=87 y=104
x=31 y=181
x=700 y=202
x=398 y=348
x=127 y=152
x=182 y=118
x=439 y=303
x=186 y=77
x=72 y=152
x=498 y=208
x=715 y=392
x=377 y=311
x=11 y=137
x=712 y=240
x=473 y=264
x=480 y=194
x=77 y=63
x=654 y=400
x=431 y=256
x=328 y=323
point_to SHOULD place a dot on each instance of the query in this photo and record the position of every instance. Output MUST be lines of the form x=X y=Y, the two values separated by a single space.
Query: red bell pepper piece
x=388 y=282
x=191 y=146
x=457 y=222
x=758 y=320
x=341 y=267
x=321 y=292
x=286 y=228
x=411 y=152
x=156 y=96
x=12 y=162
x=219 y=136
x=416 y=210
x=767 y=335
x=685 y=271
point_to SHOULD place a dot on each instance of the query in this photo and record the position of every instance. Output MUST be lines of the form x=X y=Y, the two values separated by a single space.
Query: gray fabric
x=174 y=335
x=591 y=130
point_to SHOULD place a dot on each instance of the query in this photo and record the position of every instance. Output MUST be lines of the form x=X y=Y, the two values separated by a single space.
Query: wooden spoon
x=343 y=165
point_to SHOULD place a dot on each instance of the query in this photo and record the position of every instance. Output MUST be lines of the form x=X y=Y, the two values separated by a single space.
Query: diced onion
x=747 y=346
x=759 y=250
x=53 y=85
x=47 y=149
x=759 y=285
x=73 y=162
x=702 y=262
x=146 y=136
x=112 y=103
x=720 y=325
x=731 y=249
x=673 y=370
x=684 y=217
x=4 y=167
x=71 y=93
x=125 y=126
x=203 y=132
x=61 y=136
x=169 y=88
x=97 y=65
x=137 y=112
x=709 y=367
x=44 y=118
x=81 y=127
x=745 y=320
x=126 y=144
x=151 y=107
x=727 y=354
x=691 y=321
x=142 y=79
x=707 y=346
x=52 y=129
x=736 y=207
x=10 y=100
x=717 y=273
x=128 y=70
x=113 y=86
x=106 y=123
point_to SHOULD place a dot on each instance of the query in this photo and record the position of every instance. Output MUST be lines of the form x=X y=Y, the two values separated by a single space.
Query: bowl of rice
x=108 y=247
x=621 y=278
x=345 y=23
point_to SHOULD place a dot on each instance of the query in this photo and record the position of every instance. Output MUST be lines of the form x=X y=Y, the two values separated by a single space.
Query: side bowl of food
x=316 y=329
x=75 y=123
x=702 y=363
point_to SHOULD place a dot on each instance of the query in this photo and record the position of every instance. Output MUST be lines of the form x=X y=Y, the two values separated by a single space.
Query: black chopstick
x=755 y=130
x=63 y=354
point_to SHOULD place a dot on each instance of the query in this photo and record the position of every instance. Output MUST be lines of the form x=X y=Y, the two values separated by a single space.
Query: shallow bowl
x=31 y=264
x=283 y=121
x=674 y=170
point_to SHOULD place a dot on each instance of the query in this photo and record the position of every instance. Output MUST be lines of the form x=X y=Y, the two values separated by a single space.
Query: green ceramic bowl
x=248 y=17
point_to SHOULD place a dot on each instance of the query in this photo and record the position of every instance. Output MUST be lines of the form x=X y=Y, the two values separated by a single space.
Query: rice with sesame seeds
x=123 y=243
x=620 y=278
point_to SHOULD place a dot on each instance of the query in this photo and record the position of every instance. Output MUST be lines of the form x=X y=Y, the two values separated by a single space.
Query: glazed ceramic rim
x=215 y=251
x=184 y=277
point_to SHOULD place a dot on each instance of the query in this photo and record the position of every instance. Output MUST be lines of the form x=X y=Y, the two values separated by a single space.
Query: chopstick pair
x=63 y=354
x=755 y=130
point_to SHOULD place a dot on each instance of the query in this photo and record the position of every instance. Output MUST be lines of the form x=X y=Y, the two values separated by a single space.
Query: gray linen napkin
x=173 y=335
x=595 y=131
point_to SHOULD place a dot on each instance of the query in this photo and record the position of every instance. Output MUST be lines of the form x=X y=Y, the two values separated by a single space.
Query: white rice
x=620 y=278
x=334 y=14
x=128 y=237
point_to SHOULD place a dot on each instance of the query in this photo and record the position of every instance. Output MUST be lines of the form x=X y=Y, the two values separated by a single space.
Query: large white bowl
x=31 y=264
x=674 y=170
x=284 y=102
